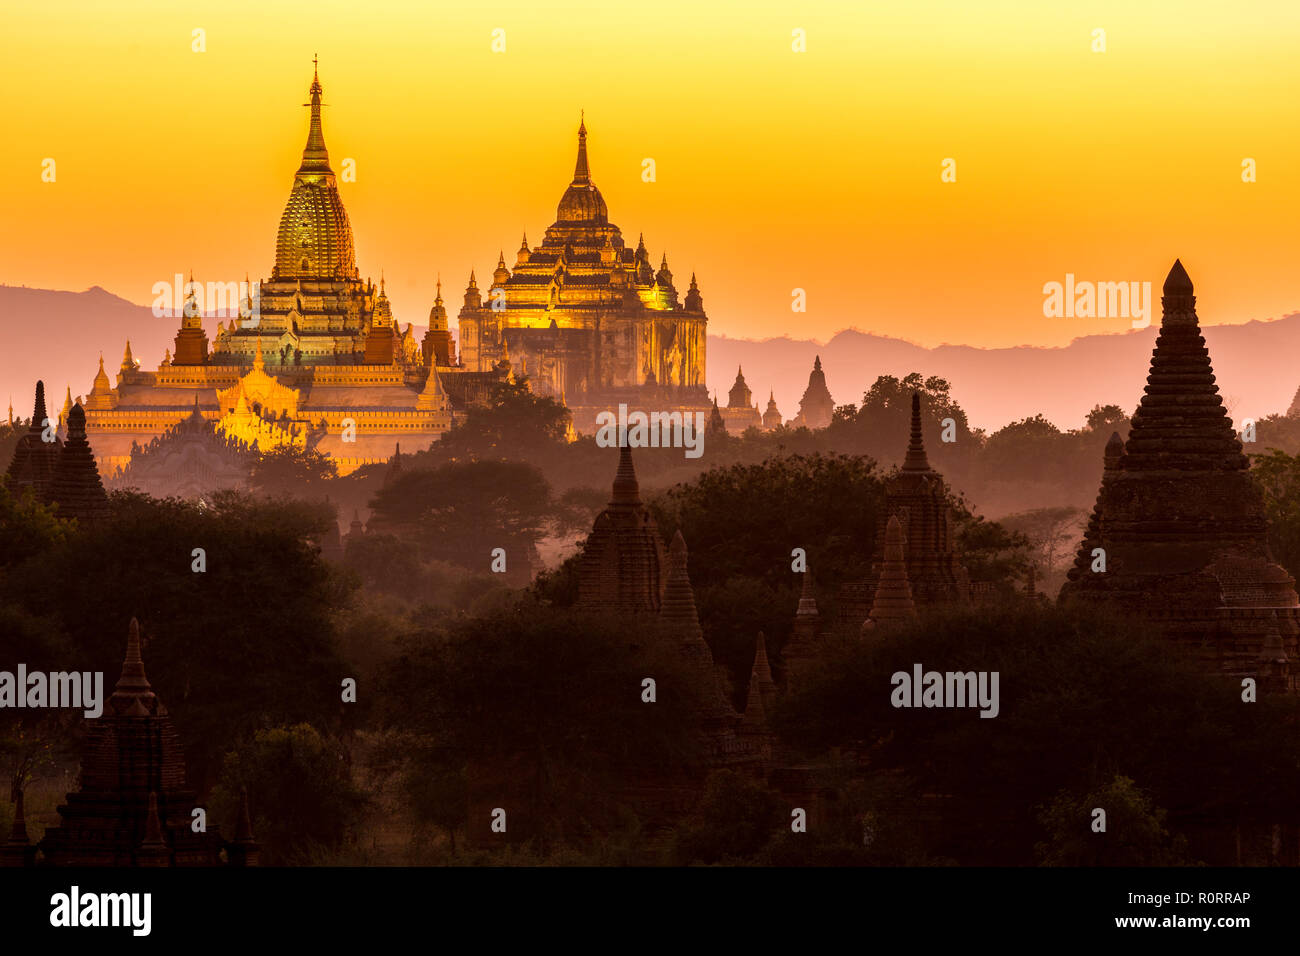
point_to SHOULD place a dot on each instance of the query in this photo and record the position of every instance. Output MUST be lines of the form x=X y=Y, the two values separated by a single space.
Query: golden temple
x=319 y=361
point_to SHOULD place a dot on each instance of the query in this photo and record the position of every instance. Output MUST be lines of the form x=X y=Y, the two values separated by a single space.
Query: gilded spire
x=916 y=460
x=315 y=157
x=581 y=173
x=128 y=360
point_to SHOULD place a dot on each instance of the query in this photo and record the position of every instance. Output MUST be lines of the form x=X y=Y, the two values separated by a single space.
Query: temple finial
x=1178 y=282
x=581 y=173
x=915 y=459
x=133 y=679
x=626 y=488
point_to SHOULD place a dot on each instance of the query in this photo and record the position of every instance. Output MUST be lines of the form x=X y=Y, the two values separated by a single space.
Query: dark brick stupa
x=1181 y=525
x=34 y=460
x=76 y=487
x=133 y=808
x=623 y=562
x=918 y=496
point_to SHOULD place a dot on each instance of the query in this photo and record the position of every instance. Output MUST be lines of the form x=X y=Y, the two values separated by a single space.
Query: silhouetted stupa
x=34 y=460
x=76 y=487
x=132 y=808
x=623 y=562
x=918 y=497
x=1179 y=523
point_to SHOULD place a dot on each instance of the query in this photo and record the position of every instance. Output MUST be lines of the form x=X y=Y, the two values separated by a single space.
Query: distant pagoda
x=1179 y=524
x=741 y=412
x=816 y=408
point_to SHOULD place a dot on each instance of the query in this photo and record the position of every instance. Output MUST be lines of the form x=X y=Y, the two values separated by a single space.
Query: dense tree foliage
x=1082 y=699
x=244 y=643
x=555 y=694
x=302 y=798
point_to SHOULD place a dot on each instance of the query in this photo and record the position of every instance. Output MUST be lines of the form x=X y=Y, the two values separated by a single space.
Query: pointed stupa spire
x=153 y=838
x=892 y=603
x=523 y=243
x=626 y=489
x=807 y=600
x=1181 y=423
x=581 y=172
x=915 y=459
x=38 y=408
x=762 y=689
x=315 y=157
x=678 y=610
x=128 y=360
x=76 y=486
x=133 y=679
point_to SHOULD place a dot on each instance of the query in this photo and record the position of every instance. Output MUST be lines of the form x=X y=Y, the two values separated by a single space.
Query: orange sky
x=776 y=170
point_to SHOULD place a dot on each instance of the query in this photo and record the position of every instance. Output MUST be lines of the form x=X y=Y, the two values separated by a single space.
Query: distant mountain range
x=59 y=336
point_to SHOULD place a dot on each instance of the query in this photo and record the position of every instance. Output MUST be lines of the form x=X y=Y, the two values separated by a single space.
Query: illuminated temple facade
x=323 y=364
x=587 y=317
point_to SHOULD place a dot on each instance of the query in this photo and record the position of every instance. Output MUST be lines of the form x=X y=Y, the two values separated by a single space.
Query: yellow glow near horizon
x=776 y=170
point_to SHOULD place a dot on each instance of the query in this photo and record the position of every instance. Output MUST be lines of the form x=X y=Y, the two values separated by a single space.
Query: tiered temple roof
x=892 y=603
x=917 y=496
x=1180 y=524
x=76 y=487
x=623 y=561
x=804 y=646
x=34 y=460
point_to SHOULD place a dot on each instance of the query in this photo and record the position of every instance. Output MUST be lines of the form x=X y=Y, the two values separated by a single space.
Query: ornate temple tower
x=892 y=604
x=132 y=808
x=805 y=645
x=191 y=340
x=591 y=317
x=76 y=487
x=314 y=355
x=437 y=348
x=34 y=460
x=1180 y=524
x=917 y=496
x=772 y=416
x=816 y=408
x=741 y=412
x=623 y=562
